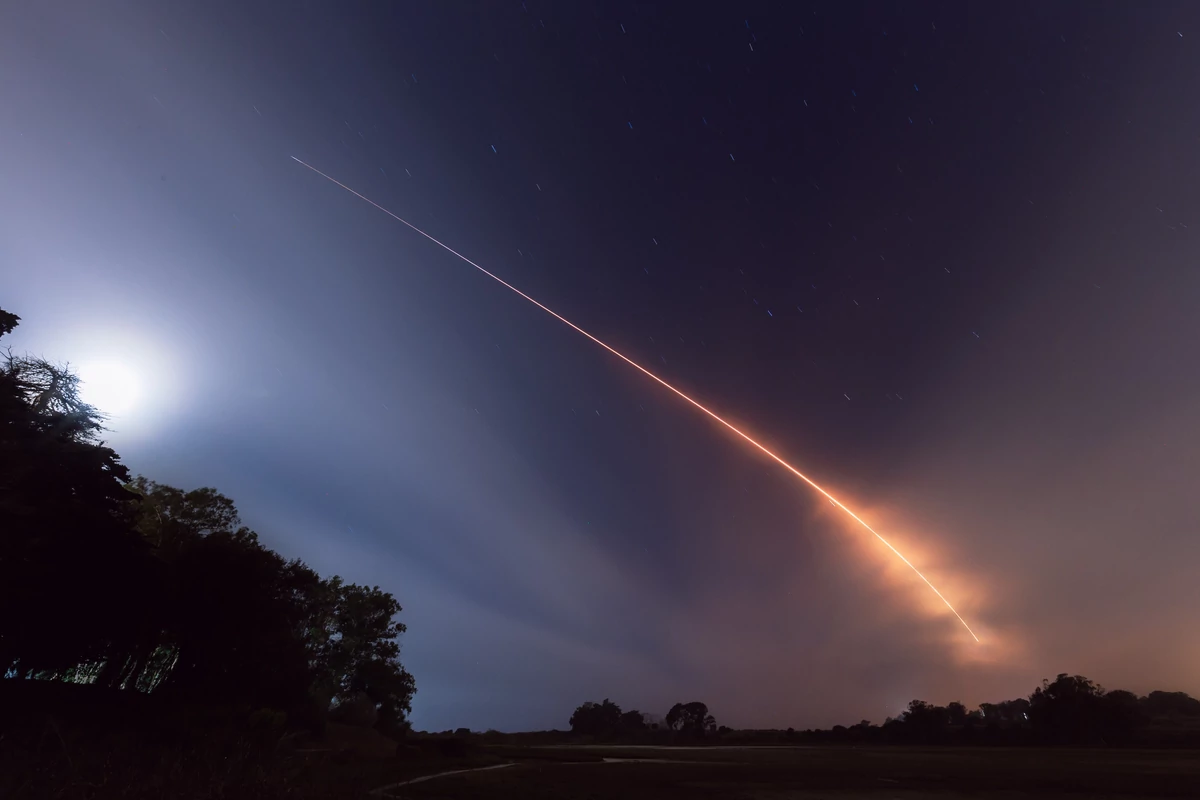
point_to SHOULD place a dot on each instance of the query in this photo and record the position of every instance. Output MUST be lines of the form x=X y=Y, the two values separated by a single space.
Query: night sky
x=942 y=257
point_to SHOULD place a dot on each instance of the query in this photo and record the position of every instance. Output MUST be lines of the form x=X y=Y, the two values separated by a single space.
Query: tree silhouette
x=596 y=719
x=297 y=635
x=1067 y=709
x=924 y=722
x=1121 y=716
x=8 y=322
x=606 y=720
x=351 y=634
x=691 y=718
x=141 y=586
x=70 y=562
x=1171 y=704
x=632 y=721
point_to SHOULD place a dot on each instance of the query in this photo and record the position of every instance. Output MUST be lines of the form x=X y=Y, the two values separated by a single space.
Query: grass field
x=753 y=773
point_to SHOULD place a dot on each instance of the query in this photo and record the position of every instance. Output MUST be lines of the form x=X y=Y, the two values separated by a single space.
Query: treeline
x=1069 y=710
x=129 y=585
x=606 y=721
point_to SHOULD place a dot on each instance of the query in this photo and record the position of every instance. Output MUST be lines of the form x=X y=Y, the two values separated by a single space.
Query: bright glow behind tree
x=112 y=387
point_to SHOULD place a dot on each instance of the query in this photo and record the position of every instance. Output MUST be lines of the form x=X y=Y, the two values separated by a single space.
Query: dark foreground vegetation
x=133 y=609
x=64 y=740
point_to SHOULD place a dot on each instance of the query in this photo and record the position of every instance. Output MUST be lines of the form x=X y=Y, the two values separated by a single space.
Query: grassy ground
x=55 y=763
x=220 y=764
x=766 y=774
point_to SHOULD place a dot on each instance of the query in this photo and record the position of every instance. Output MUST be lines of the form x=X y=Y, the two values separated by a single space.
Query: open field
x=72 y=767
x=144 y=773
x=894 y=772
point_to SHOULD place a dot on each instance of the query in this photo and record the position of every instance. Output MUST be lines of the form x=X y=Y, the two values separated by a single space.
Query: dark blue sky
x=942 y=256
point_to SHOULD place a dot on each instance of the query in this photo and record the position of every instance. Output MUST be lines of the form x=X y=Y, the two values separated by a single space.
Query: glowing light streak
x=695 y=403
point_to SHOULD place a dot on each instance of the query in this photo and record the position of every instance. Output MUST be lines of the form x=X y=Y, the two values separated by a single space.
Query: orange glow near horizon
x=696 y=404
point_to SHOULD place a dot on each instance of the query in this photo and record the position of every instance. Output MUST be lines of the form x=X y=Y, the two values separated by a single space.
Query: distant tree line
x=606 y=721
x=1069 y=710
x=131 y=585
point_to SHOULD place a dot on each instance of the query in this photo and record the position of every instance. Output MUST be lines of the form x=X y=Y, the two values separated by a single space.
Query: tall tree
x=691 y=718
x=1067 y=709
x=70 y=562
x=332 y=640
x=226 y=608
x=353 y=642
x=596 y=719
x=924 y=721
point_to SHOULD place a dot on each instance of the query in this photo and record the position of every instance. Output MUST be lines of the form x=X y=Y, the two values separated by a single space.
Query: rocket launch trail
x=688 y=399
